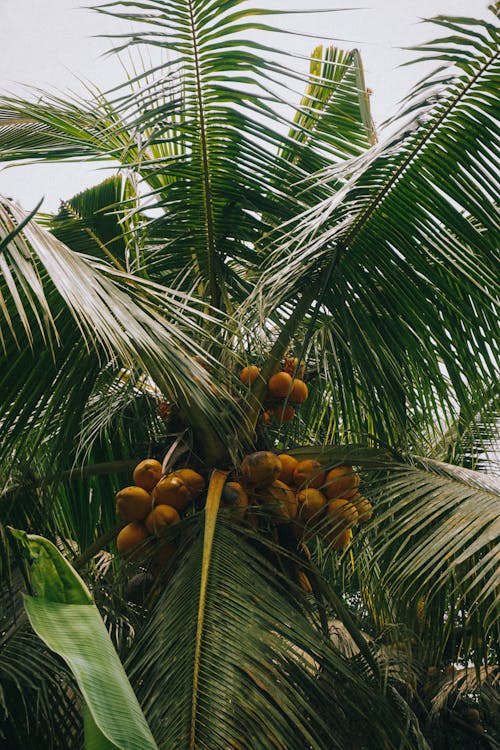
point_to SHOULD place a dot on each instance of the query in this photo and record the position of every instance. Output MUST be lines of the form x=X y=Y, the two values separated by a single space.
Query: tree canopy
x=255 y=216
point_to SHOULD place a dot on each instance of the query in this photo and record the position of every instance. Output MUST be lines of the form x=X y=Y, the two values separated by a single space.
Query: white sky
x=51 y=44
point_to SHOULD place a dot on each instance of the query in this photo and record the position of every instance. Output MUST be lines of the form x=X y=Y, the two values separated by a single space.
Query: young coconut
x=260 y=469
x=193 y=481
x=281 y=499
x=309 y=473
x=147 y=473
x=311 y=503
x=133 y=504
x=288 y=466
x=364 y=508
x=129 y=541
x=171 y=490
x=249 y=374
x=234 y=496
x=280 y=384
x=160 y=517
x=342 y=481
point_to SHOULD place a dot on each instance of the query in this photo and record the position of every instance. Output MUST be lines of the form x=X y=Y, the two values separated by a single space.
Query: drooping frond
x=244 y=671
x=64 y=319
x=433 y=542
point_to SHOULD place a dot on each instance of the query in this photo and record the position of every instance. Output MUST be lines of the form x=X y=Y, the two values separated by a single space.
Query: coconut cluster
x=303 y=493
x=154 y=502
x=286 y=389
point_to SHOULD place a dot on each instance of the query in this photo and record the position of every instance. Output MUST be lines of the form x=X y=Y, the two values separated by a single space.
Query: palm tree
x=248 y=220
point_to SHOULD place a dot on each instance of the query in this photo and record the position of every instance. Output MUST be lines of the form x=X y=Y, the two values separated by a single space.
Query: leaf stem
x=217 y=481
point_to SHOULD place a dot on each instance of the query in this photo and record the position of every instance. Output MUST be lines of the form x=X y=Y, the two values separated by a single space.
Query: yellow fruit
x=299 y=392
x=132 y=535
x=160 y=517
x=234 y=496
x=342 y=514
x=147 y=473
x=171 y=490
x=310 y=473
x=261 y=468
x=311 y=503
x=340 y=540
x=283 y=413
x=292 y=366
x=342 y=481
x=133 y=504
x=305 y=583
x=249 y=374
x=193 y=481
x=288 y=466
x=364 y=508
x=282 y=498
x=280 y=384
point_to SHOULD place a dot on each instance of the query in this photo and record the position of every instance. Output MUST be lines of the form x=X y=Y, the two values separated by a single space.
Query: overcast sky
x=52 y=43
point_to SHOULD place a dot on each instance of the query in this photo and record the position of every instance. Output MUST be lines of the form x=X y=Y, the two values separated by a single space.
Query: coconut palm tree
x=254 y=216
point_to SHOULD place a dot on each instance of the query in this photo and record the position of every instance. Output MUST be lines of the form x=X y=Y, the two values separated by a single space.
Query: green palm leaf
x=406 y=251
x=64 y=616
x=203 y=139
x=82 y=315
x=232 y=651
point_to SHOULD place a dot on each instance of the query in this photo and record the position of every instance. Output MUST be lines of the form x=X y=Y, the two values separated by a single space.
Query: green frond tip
x=52 y=577
x=64 y=617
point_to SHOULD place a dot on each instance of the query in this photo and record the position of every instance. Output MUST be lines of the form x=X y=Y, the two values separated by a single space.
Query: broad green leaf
x=63 y=615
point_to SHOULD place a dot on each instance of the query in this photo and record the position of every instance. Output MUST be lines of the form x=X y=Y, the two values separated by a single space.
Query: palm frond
x=409 y=242
x=78 y=314
x=94 y=222
x=258 y=680
x=201 y=133
x=450 y=514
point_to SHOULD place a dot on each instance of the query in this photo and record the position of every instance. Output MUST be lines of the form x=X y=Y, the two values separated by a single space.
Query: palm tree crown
x=254 y=217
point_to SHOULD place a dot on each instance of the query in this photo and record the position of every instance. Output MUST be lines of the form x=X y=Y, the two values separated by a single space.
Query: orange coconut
x=171 y=490
x=133 y=504
x=234 y=496
x=249 y=374
x=283 y=413
x=160 y=517
x=341 y=514
x=299 y=392
x=292 y=366
x=193 y=481
x=309 y=473
x=340 y=540
x=288 y=466
x=130 y=537
x=342 y=481
x=311 y=503
x=261 y=468
x=364 y=508
x=147 y=473
x=280 y=384
x=282 y=499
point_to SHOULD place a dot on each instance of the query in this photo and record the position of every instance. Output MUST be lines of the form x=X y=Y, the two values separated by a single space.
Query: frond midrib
x=361 y=220
x=205 y=164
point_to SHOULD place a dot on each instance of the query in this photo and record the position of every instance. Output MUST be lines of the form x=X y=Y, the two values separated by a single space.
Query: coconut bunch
x=154 y=502
x=285 y=389
x=303 y=493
